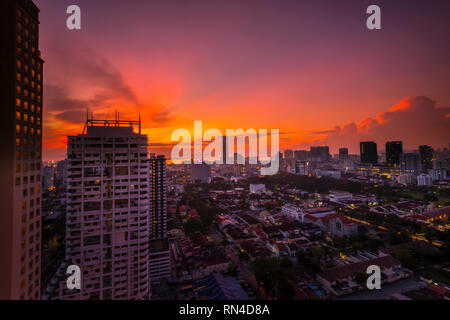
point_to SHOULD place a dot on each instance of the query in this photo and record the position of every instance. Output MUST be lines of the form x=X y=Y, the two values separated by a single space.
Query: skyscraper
x=301 y=155
x=393 y=151
x=158 y=197
x=410 y=163
x=343 y=154
x=289 y=155
x=21 y=157
x=107 y=220
x=426 y=156
x=368 y=152
x=159 y=253
x=320 y=153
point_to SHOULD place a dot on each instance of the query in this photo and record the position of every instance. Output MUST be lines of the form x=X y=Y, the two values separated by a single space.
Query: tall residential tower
x=107 y=220
x=21 y=154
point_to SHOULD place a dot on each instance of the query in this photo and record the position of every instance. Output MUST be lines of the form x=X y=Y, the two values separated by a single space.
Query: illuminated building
x=394 y=149
x=21 y=102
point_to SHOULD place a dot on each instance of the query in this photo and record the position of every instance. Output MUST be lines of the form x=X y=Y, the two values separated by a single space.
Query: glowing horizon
x=319 y=76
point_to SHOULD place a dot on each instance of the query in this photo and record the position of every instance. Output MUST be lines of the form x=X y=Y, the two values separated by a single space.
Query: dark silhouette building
x=21 y=152
x=426 y=156
x=158 y=227
x=393 y=151
x=301 y=155
x=320 y=153
x=343 y=154
x=410 y=163
x=368 y=152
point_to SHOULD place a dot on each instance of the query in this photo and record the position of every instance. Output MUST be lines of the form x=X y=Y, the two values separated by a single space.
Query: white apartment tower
x=107 y=219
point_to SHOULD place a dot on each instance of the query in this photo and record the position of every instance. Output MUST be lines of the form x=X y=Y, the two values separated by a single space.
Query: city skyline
x=133 y=206
x=318 y=85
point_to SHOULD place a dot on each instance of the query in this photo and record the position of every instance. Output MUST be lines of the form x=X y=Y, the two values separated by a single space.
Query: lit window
x=18 y=90
x=18 y=115
x=19 y=39
x=17 y=128
x=19 y=64
x=18 y=104
x=19 y=77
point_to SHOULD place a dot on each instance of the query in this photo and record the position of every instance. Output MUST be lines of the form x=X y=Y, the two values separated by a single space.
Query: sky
x=308 y=68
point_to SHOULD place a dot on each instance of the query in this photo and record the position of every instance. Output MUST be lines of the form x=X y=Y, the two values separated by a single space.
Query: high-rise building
x=343 y=154
x=368 y=152
x=107 y=220
x=320 y=153
x=21 y=157
x=158 y=197
x=393 y=151
x=426 y=157
x=61 y=173
x=48 y=176
x=159 y=253
x=301 y=155
x=288 y=155
x=410 y=163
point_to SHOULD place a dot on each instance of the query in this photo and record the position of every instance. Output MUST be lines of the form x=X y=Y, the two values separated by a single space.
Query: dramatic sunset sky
x=309 y=68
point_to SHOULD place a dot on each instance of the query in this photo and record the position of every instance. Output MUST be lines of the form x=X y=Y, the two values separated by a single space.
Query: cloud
x=415 y=121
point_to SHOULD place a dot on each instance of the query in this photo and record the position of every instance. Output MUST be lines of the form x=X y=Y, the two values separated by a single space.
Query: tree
x=361 y=277
x=192 y=226
x=407 y=260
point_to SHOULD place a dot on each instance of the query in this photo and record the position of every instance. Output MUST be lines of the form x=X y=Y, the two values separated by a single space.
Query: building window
x=18 y=104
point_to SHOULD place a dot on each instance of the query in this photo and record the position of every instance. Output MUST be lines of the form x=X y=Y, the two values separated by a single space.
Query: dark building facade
x=301 y=155
x=21 y=74
x=426 y=157
x=368 y=152
x=343 y=154
x=158 y=181
x=393 y=151
x=410 y=163
x=320 y=153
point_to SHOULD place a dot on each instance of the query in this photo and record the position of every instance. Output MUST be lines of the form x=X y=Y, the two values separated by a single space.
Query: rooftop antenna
x=139 y=122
